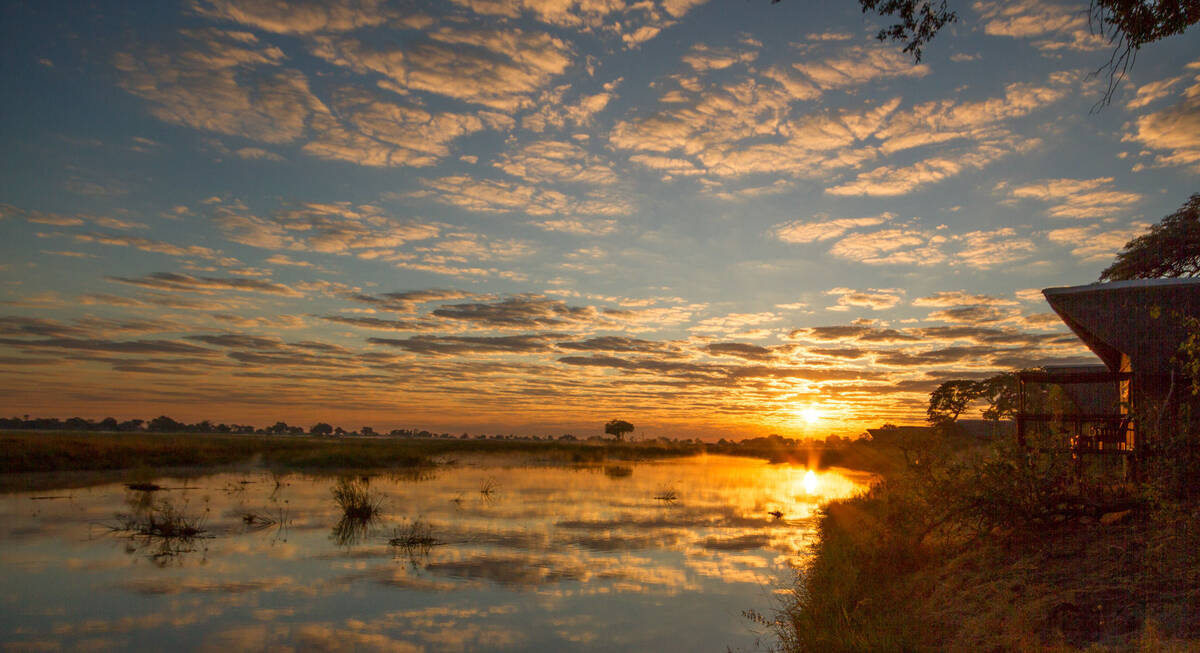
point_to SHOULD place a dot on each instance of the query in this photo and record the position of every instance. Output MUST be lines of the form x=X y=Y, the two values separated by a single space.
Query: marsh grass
x=356 y=500
x=361 y=509
x=488 y=487
x=418 y=534
x=44 y=451
x=162 y=528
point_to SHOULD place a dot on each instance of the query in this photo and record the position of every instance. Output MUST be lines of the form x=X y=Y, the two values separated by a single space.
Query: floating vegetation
x=488 y=486
x=257 y=520
x=777 y=514
x=144 y=487
x=418 y=534
x=162 y=527
x=618 y=471
x=667 y=495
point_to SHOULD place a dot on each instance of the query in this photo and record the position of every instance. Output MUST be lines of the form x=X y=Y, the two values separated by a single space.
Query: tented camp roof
x=1142 y=319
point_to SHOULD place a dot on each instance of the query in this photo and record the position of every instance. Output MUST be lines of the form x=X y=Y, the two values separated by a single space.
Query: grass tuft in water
x=356 y=500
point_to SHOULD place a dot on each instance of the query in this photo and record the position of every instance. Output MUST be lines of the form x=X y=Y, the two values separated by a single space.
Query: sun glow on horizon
x=810 y=482
x=811 y=415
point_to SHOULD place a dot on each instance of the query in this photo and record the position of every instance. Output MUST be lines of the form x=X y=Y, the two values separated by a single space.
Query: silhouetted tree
x=321 y=428
x=1170 y=249
x=1000 y=392
x=618 y=428
x=950 y=399
x=164 y=424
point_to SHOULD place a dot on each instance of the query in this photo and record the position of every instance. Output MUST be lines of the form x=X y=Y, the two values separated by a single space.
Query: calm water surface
x=501 y=557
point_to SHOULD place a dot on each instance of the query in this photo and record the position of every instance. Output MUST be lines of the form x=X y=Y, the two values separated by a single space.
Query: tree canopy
x=618 y=428
x=951 y=398
x=1170 y=249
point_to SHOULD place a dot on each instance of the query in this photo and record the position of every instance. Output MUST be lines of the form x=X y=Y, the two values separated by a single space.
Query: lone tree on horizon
x=618 y=428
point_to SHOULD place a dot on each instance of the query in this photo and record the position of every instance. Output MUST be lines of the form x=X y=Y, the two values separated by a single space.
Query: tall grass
x=996 y=549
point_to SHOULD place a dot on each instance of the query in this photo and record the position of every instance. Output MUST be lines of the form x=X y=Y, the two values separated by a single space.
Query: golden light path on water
x=616 y=556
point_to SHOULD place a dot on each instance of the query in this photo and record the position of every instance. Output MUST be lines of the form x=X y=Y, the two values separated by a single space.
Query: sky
x=710 y=219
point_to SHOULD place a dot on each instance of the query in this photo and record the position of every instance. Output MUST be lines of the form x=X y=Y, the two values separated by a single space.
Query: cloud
x=1151 y=92
x=1076 y=198
x=332 y=228
x=623 y=344
x=209 y=87
x=490 y=196
x=875 y=299
x=145 y=244
x=302 y=17
x=578 y=226
x=543 y=162
x=940 y=121
x=495 y=68
x=988 y=249
x=703 y=58
x=889 y=181
x=1058 y=26
x=898 y=246
x=733 y=323
x=1174 y=130
x=807 y=232
x=858 y=65
x=181 y=282
x=1096 y=243
x=456 y=345
x=239 y=341
x=740 y=350
x=946 y=298
x=974 y=315
x=407 y=302
x=257 y=153
x=521 y=312
x=379 y=133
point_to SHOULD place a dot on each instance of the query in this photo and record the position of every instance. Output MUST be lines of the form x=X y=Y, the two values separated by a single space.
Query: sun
x=811 y=415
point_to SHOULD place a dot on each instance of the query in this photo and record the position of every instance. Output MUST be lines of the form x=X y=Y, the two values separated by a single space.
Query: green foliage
x=1170 y=249
x=1189 y=353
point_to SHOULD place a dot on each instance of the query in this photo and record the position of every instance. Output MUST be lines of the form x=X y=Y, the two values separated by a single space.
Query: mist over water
x=478 y=556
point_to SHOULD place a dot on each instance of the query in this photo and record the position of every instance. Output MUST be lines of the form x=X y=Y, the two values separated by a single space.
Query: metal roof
x=1142 y=318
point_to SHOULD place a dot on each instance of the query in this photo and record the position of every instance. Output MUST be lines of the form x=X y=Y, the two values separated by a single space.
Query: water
x=503 y=557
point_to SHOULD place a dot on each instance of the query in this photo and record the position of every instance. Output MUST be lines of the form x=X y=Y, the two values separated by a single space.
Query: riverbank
x=64 y=451
x=998 y=551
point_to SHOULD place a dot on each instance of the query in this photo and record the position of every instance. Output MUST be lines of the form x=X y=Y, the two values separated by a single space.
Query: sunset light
x=810 y=482
x=535 y=217
x=613 y=325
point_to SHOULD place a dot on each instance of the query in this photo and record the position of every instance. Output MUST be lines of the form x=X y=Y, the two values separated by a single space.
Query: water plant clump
x=419 y=534
x=162 y=520
x=356 y=500
x=667 y=494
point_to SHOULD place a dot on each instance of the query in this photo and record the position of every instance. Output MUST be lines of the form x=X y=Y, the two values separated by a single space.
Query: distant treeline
x=164 y=424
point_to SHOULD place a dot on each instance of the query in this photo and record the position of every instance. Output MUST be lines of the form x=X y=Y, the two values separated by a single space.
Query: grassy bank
x=41 y=451
x=996 y=550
